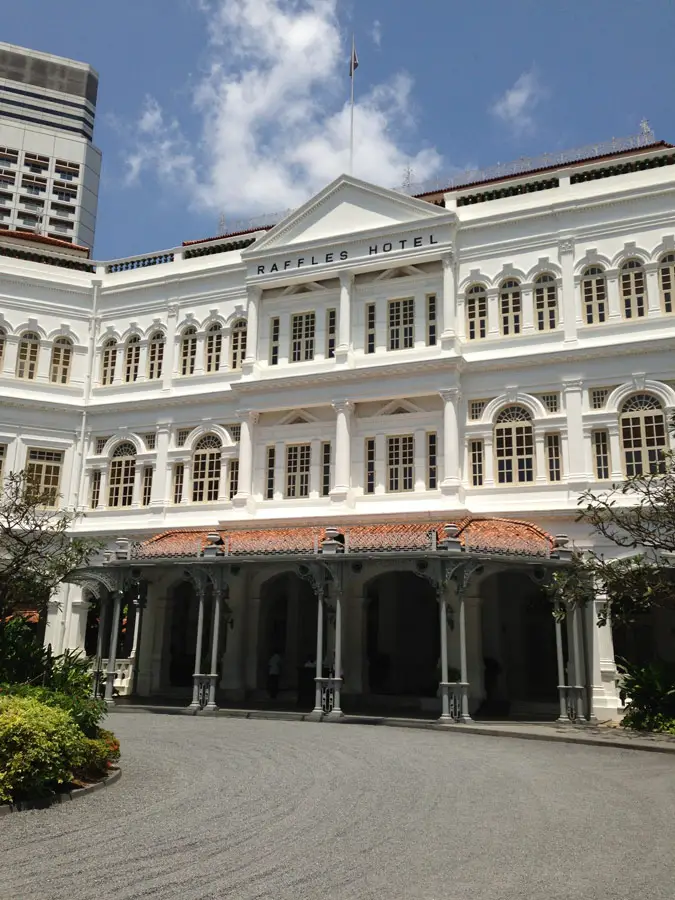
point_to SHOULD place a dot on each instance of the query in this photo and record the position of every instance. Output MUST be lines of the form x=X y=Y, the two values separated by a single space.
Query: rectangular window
x=233 y=478
x=331 y=325
x=370 y=466
x=298 y=461
x=476 y=409
x=476 y=454
x=178 y=478
x=100 y=444
x=44 y=473
x=181 y=436
x=95 y=489
x=431 y=320
x=551 y=402
x=147 y=486
x=234 y=430
x=325 y=468
x=601 y=454
x=400 y=463
x=121 y=482
x=302 y=337
x=553 y=456
x=150 y=440
x=274 y=341
x=271 y=458
x=598 y=397
x=432 y=465
x=370 y=327
x=401 y=324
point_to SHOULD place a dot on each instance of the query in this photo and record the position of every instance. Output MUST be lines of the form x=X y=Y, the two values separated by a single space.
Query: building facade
x=266 y=418
x=49 y=167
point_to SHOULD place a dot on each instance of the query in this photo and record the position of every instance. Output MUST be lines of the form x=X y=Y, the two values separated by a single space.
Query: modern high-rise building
x=49 y=167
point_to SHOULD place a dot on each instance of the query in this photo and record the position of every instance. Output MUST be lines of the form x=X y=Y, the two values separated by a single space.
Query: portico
x=448 y=621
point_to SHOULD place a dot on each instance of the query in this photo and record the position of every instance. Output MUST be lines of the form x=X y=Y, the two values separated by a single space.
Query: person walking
x=273 y=673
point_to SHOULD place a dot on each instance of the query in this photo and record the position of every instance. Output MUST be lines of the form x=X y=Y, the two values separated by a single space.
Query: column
x=245 y=487
x=578 y=668
x=44 y=361
x=604 y=694
x=215 y=637
x=572 y=391
x=104 y=604
x=315 y=469
x=337 y=667
x=318 y=678
x=488 y=460
x=223 y=480
x=187 y=480
x=77 y=619
x=449 y=300
x=562 y=682
x=343 y=409
x=112 y=651
x=541 y=463
x=527 y=300
x=161 y=481
x=198 y=649
x=615 y=452
x=474 y=642
x=344 y=317
x=568 y=301
x=420 y=459
x=103 y=489
x=463 y=664
x=450 y=483
x=279 y=470
x=445 y=699
x=252 y=315
x=653 y=294
x=493 y=313
x=143 y=362
x=11 y=352
x=613 y=298
x=169 y=347
x=138 y=474
x=380 y=464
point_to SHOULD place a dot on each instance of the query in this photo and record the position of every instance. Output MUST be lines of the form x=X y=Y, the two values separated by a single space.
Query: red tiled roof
x=657 y=145
x=492 y=535
x=228 y=234
x=42 y=239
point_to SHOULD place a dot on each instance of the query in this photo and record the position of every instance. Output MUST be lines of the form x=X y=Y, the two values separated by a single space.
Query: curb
x=55 y=799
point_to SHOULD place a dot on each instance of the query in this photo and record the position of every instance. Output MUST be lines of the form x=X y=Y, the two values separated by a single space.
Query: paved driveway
x=211 y=808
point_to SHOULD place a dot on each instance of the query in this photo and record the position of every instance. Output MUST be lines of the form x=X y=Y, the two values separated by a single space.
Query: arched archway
x=402 y=636
x=518 y=646
x=287 y=626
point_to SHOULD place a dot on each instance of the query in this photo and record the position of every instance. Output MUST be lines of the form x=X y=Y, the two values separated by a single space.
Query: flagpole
x=351 y=128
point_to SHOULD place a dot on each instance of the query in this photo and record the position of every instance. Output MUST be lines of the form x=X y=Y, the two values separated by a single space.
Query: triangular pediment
x=347 y=206
x=297 y=417
x=399 y=408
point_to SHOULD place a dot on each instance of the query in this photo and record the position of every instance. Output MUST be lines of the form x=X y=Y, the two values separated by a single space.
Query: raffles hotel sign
x=323 y=258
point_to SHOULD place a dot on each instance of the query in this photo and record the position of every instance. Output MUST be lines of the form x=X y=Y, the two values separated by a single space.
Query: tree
x=637 y=515
x=37 y=551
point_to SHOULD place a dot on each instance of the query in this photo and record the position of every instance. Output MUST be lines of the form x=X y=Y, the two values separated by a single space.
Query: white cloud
x=517 y=105
x=273 y=114
x=376 y=33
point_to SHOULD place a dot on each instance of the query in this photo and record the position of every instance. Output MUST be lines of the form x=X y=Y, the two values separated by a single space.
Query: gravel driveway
x=224 y=807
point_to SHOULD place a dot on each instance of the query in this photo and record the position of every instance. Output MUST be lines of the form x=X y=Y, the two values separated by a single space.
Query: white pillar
x=198 y=648
x=572 y=391
x=318 y=683
x=169 y=347
x=449 y=300
x=315 y=469
x=420 y=460
x=215 y=638
x=604 y=693
x=450 y=483
x=494 y=329
x=187 y=481
x=245 y=486
x=527 y=301
x=615 y=453
x=653 y=294
x=541 y=463
x=344 y=318
x=613 y=298
x=445 y=699
x=252 y=316
x=161 y=479
x=112 y=648
x=337 y=666
x=76 y=631
x=464 y=715
x=343 y=409
x=567 y=302
x=138 y=474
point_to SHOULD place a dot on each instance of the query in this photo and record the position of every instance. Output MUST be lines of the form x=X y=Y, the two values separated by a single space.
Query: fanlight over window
x=156 y=355
x=188 y=351
x=476 y=312
x=122 y=474
x=108 y=361
x=206 y=469
x=238 y=343
x=514 y=446
x=62 y=352
x=214 y=346
x=546 y=302
x=27 y=358
x=633 y=289
x=643 y=435
x=594 y=295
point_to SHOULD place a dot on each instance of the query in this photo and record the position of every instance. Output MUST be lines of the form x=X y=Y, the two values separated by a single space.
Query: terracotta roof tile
x=489 y=535
x=42 y=239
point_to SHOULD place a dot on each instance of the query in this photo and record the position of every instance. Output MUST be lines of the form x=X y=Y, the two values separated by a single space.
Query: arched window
x=633 y=289
x=238 y=344
x=206 y=469
x=188 y=351
x=667 y=281
x=132 y=358
x=122 y=474
x=214 y=345
x=594 y=295
x=27 y=358
x=546 y=302
x=3 y=341
x=514 y=446
x=476 y=312
x=643 y=435
x=509 y=306
x=155 y=355
x=108 y=361
x=62 y=352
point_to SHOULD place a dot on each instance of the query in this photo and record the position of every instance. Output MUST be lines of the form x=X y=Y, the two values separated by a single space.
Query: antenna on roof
x=222 y=228
x=645 y=128
x=407 y=178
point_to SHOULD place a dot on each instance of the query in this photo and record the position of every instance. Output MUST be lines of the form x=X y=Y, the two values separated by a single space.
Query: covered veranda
x=447 y=621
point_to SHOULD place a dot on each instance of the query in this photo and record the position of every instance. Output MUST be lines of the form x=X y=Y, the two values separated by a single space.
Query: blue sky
x=239 y=107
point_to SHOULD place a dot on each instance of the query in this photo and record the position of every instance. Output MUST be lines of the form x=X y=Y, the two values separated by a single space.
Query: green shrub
x=22 y=656
x=651 y=693
x=100 y=754
x=40 y=746
x=85 y=711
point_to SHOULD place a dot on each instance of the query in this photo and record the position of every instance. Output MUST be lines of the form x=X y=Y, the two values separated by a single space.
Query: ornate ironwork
x=203 y=692
x=327 y=698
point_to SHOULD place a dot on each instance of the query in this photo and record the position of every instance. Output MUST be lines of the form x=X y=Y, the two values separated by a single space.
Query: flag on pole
x=354 y=61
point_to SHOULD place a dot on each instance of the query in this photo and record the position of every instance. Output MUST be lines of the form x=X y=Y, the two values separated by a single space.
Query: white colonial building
x=265 y=418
